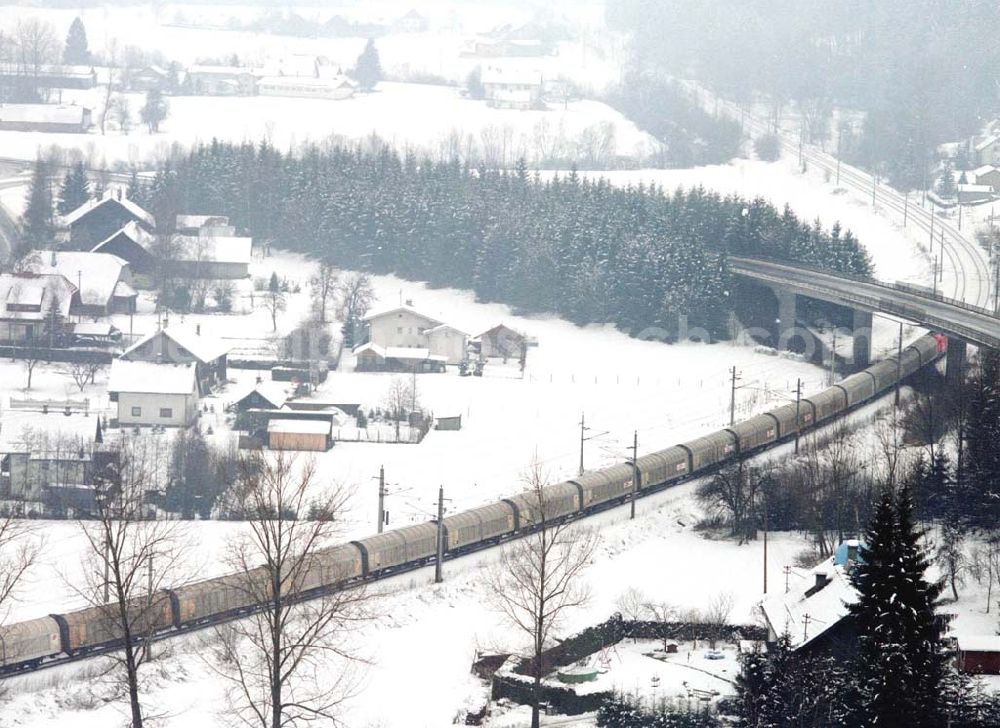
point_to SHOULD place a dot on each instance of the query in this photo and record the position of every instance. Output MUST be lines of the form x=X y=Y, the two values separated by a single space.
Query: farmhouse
x=332 y=89
x=50 y=118
x=447 y=342
x=178 y=345
x=987 y=175
x=103 y=281
x=97 y=220
x=31 y=303
x=266 y=395
x=222 y=80
x=987 y=151
x=512 y=89
x=315 y=435
x=48 y=76
x=154 y=394
x=210 y=257
x=400 y=327
x=133 y=245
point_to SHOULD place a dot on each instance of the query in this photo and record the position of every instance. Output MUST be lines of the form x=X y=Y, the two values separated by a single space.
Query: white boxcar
x=31 y=640
x=600 y=486
x=710 y=449
x=659 y=467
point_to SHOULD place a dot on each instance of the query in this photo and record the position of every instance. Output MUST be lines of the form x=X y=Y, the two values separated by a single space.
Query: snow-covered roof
x=300 y=81
x=124 y=290
x=974 y=188
x=445 y=327
x=205 y=349
x=95 y=274
x=275 y=393
x=132 y=231
x=988 y=141
x=214 y=249
x=150 y=378
x=406 y=308
x=804 y=615
x=43 y=113
x=305 y=427
x=985 y=169
x=109 y=198
x=979 y=643
x=37 y=291
x=22 y=431
x=93 y=328
x=511 y=77
x=193 y=222
x=223 y=70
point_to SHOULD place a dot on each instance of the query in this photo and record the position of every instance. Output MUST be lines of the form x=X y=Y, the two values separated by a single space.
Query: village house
x=99 y=219
x=48 y=76
x=331 y=89
x=154 y=394
x=32 y=304
x=447 y=342
x=103 y=281
x=371 y=357
x=155 y=77
x=404 y=327
x=51 y=118
x=300 y=434
x=179 y=345
x=222 y=80
x=987 y=175
x=209 y=257
x=412 y=22
x=987 y=151
x=512 y=88
x=133 y=244
x=50 y=458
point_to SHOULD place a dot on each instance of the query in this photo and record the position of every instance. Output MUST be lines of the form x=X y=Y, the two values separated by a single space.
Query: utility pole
x=763 y=501
x=788 y=572
x=959 y=215
x=635 y=472
x=833 y=357
x=805 y=626
x=906 y=206
x=899 y=361
x=149 y=577
x=440 y=537
x=107 y=569
x=935 y=275
x=381 y=497
x=932 y=227
x=732 y=396
x=874 y=186
x=798 y=406
x=840 y=136
x=583 y=429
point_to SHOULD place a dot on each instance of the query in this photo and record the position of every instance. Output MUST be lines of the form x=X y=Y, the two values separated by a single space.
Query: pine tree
x=154 y=111
x=900 y=663
x=368 y=69
x=75 y=189
x=76 y=52
x=37 y=225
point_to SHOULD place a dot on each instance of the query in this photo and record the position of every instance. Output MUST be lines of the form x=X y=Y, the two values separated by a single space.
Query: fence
x=55 y=405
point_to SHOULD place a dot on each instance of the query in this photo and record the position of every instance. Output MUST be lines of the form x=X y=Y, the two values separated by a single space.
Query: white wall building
x=447 y=341
x=154 y=394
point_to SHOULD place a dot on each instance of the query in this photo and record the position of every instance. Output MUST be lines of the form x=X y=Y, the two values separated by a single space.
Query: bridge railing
x=909 y=288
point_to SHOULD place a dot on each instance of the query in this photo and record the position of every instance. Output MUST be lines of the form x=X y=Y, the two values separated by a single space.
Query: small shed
x=449 y=423
x=313 y=435
x=979 y=654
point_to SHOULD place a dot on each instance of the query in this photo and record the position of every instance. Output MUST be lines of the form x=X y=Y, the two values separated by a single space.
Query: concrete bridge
x=963 y=323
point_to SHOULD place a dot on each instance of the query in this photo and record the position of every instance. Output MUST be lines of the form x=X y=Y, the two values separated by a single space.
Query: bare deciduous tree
x=324 y=287
x=663 y=614
x=290 y=662
x=130 y=558
x=19 y=548
x=538 y=577
x=733 y=493
x=83 y=373
x=401 y=399
x=355 y=296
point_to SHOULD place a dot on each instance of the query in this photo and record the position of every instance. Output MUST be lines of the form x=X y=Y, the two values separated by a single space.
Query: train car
x=751 y=434
x=711 y=449
x=659 y=467
x=400 y=546
x=928 y=347
x=884 y=374
x=600 y=486
x=828 y=403
x=479 y=524
x=910 y=362
x=230 y=594
x=27 y=643
x=561 y=499
x=858 y=387
x=787 y=419
x=98 y=626
x=331 y=566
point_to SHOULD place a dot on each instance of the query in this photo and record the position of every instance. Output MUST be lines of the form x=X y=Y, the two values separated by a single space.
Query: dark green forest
x=579 y=247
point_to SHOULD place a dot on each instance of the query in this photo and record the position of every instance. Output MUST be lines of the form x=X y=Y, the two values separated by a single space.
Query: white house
x=103 y=281
x=331 y=89
x=512 y=88
x=154 y=394
x=211 y=257
x=448 y=342
x=179 y=345
x=403 y=326
x=29 y=302
x=987 y=151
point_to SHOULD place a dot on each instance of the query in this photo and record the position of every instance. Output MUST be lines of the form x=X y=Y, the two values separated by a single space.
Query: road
x=962 y=256
x=979 y=326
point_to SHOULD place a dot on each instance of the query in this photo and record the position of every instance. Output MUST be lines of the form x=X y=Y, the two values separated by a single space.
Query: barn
x=96 y=220
x=979 y=654
x=313 y=435
x=132 y=244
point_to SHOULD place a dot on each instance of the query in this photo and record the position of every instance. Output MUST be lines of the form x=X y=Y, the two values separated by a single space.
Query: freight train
x=34 y=643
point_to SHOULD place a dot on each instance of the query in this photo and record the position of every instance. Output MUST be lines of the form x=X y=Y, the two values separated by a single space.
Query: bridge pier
x=955 y=359
x=862 y=326
x=784 y=325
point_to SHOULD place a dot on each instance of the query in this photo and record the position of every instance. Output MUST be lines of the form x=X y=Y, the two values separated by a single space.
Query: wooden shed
x=979 y=654
x=288 y=434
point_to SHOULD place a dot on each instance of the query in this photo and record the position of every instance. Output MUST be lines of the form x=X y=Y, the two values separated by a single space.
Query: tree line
x=636 y=257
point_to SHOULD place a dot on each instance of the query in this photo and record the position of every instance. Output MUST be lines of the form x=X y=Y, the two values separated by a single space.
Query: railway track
x=971 y=280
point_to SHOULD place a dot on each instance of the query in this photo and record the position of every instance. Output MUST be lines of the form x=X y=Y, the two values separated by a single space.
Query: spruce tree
x=154 y=111
x=37 y=225
x=900 y=663
x=368 y=69
x=75 y=189
x=76 y=52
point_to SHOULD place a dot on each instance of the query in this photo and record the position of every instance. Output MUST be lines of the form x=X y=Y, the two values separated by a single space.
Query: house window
x=137 y=411
x=166 y=412
x=399 y=329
